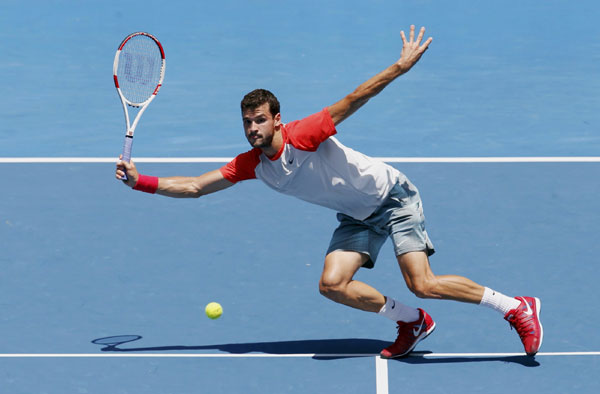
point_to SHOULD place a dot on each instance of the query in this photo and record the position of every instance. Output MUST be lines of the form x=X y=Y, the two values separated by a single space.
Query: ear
x=277 y=120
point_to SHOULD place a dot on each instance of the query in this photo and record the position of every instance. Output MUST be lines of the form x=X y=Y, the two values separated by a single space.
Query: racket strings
x=139 y=69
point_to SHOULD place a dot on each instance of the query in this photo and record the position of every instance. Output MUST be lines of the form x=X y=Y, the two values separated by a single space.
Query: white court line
x=33 y=160
x=562 y=159
x=381 y=365
x=271 y=355
x=178 y=355
x=381 y=375
x=554 y=354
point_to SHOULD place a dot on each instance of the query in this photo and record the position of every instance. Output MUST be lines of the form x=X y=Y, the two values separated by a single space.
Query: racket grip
x=127 y=152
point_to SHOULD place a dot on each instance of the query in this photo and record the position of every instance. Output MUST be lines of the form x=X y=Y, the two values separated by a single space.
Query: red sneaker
x=409 y=334
x=526 y=320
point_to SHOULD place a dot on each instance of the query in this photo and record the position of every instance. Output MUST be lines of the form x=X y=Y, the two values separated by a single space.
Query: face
x=260 y=126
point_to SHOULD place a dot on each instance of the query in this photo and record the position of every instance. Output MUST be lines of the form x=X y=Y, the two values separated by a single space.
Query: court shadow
x=421 y=358
x=324 y=349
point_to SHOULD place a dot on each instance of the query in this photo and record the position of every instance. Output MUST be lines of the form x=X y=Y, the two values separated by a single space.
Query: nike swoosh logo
x=417 y=329
x=394 y=304
x=529 y=311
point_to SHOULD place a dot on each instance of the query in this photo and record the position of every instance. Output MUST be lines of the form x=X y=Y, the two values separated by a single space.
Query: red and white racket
x=138 y=70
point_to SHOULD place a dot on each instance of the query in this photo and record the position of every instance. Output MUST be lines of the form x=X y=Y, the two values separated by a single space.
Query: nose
x=250 y=125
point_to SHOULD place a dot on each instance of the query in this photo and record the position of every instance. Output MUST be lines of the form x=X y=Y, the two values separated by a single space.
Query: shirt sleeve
x=308 y=133
x=241 y=167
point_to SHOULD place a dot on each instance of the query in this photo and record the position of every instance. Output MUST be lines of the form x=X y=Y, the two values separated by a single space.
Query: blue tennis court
x=497 y=126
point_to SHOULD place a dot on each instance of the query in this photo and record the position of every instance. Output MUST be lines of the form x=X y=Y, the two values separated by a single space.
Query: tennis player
x=374 y=201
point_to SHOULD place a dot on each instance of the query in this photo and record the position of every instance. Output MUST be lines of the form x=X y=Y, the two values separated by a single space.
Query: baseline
x=271 y=355
x=540 y=159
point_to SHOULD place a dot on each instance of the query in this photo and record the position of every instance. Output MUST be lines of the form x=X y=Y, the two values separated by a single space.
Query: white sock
x=498 y=301
x=397 y=311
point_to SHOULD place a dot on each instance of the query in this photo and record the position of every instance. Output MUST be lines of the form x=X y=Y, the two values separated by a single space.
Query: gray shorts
x=400 y=217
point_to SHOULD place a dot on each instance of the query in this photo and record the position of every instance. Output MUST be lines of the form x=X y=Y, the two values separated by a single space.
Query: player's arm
x=182 y=187
x=178 y=186
x=412 y=50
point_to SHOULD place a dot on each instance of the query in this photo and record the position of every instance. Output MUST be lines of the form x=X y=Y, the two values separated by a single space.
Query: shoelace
x=523 y=324
x=409 y=327
x=403 y=338
x=399 y=327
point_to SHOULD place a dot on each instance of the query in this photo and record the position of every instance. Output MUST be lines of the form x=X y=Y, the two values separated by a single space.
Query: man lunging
x=374 y=202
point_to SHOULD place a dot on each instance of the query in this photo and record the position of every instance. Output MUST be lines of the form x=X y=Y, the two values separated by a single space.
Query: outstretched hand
x=412 y=49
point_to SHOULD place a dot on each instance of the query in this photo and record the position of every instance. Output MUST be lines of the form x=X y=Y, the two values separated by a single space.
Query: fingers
x=126 y=168
x=411 y=36
x=412 y=49
x=124 y=164
x=403 y=37
x=421 y=34
x=120 y=172
x=426 y=43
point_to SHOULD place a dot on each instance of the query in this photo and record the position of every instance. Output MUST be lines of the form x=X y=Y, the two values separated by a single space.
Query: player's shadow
x=421 y=358
x=323 y=349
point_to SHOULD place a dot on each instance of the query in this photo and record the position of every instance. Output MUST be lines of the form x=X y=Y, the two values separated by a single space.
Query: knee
x=425 y=288
x=330 y=286
x=338 y=271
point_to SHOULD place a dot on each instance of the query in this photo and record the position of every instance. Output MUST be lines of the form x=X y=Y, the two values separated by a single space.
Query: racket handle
x=127 y=152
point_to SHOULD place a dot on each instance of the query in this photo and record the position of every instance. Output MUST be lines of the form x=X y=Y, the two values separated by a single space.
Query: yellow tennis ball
x=214 y=310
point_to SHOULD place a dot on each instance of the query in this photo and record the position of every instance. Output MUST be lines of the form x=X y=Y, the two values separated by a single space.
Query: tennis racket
x=138 y=70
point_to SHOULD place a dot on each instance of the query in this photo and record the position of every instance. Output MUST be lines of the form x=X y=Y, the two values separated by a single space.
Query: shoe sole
x=419 y=339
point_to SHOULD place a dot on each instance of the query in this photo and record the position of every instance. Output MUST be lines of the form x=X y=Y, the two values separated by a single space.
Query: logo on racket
x=138 y=68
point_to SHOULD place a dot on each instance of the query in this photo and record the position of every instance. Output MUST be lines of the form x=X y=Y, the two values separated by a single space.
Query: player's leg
x=413 y=246
x=521 y=312
x=424 y=284
x=410 y=333
x=338 y=285
x=353 y=245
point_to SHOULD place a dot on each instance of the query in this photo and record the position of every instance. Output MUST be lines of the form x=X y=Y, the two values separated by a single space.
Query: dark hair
x=258 y=97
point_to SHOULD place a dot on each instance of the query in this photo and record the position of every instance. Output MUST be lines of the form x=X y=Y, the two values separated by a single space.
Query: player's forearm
x=178 y=187
x=364 y=92
x=376 y=84
x=412 y=50
x=191 y=187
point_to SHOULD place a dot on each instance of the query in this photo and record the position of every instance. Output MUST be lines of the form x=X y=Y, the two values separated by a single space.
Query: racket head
x=139 y=68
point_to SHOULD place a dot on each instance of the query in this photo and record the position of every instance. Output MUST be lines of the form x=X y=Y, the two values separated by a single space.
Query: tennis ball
x=214 y=310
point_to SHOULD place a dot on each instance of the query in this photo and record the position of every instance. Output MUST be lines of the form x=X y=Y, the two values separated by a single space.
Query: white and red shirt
x=314 y=166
